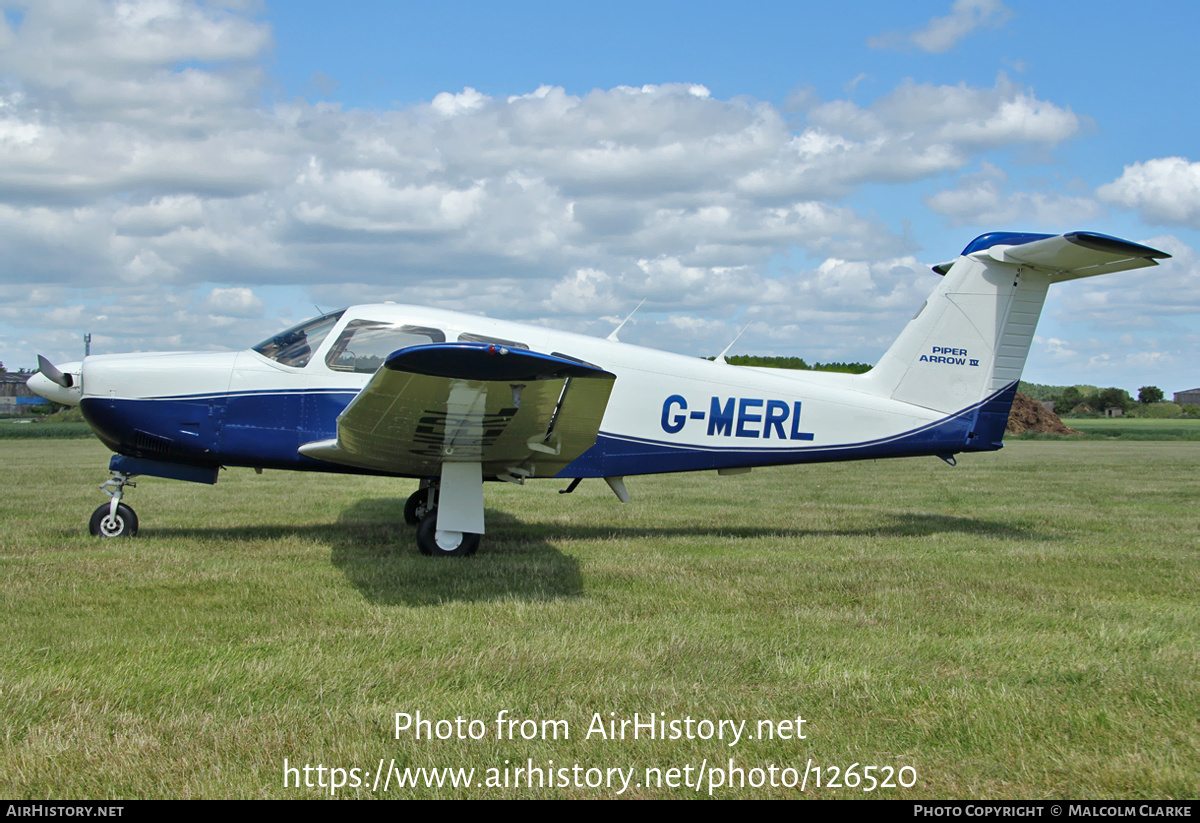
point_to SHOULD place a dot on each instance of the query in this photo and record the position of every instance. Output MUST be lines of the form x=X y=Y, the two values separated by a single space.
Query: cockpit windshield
x=295 y=346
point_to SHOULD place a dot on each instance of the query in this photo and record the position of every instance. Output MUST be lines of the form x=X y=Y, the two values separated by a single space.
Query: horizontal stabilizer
x=1077 y=254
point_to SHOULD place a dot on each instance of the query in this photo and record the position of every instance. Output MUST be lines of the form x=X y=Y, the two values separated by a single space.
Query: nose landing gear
x=114 y=518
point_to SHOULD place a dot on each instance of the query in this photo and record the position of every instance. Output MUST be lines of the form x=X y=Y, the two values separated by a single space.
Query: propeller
x=52 y=373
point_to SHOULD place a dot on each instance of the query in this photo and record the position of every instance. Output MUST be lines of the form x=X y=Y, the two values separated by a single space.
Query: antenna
x=87 y=344
x=613 y=335
x=721 y=356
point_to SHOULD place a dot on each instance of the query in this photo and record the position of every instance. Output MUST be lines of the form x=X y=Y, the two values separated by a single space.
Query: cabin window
x=295 y=346
x=467 y=337
x=364 y=344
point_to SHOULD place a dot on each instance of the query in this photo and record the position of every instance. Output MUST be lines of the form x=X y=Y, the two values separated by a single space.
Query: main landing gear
x=421 y=510
x=417 y=507
x=114 y=518
x=432 y=541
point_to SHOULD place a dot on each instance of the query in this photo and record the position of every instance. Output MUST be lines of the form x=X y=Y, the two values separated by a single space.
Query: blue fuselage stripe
x=266 y=429
x=617 y=455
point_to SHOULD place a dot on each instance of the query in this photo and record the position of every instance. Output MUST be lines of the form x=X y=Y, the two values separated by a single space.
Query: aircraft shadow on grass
x=369 y=545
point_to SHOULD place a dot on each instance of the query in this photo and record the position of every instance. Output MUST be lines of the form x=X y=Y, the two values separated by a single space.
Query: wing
x=518 y=413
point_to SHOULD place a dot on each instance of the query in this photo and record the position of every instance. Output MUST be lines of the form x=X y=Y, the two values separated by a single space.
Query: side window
x=467 y=337
x=364 y=344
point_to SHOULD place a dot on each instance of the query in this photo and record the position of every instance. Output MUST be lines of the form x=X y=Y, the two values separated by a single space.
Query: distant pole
x=87 y=344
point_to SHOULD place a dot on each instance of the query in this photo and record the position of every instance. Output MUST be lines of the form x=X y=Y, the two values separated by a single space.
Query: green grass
x=27 y=429
x=1023 y=625
x=1133 y=428
x=1120 y=428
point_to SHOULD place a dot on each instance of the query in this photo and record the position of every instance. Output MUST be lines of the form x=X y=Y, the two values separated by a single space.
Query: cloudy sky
x=191 y=175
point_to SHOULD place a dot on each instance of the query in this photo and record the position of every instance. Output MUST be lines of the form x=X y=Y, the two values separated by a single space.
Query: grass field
x=28 y=429
x=1133 y=428
x=1120 y=428
x=1021 y=626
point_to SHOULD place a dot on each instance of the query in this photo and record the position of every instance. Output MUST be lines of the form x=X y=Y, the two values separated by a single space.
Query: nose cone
x=42 y=385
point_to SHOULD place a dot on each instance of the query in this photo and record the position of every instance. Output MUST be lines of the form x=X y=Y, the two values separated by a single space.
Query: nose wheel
x=106 y=523
x=114 y=518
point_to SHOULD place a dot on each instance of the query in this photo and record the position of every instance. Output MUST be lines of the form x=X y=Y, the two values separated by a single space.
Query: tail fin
x=967 y=344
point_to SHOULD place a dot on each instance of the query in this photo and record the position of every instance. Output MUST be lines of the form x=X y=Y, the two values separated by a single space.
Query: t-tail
x=965 y=348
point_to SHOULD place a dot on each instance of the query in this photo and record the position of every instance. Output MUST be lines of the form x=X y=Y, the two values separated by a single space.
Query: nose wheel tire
x=104 y=524
x=435 y=542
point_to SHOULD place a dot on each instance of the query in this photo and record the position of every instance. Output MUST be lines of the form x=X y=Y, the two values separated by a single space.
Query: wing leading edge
x=517 y=413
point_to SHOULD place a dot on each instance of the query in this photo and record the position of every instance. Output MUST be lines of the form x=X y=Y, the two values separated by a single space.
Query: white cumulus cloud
x=1164 y=191
x=983 y=199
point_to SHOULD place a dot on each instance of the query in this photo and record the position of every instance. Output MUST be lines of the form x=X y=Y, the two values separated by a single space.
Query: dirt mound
x=1028 y=415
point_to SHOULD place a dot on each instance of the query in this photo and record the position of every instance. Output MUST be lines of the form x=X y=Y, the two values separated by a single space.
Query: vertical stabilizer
x=967 y=344
x=968 y=341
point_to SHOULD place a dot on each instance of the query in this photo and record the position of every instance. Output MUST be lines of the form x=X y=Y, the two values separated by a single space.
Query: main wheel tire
x=125 y=524
x=416 y=508
x=434 y=542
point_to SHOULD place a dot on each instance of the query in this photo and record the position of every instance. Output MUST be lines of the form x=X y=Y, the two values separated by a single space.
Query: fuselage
x=667 y=412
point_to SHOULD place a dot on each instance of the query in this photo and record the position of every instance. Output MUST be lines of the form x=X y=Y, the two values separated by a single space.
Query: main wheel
x=124 y=524
x=416 y=508
x=435 y=542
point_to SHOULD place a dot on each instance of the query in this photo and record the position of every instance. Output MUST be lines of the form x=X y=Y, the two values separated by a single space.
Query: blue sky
x=192 y=175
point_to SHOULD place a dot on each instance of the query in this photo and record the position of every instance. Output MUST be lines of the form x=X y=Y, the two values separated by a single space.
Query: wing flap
x=513 y=411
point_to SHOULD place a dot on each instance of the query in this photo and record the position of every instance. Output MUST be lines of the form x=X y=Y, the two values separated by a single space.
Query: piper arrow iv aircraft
x=455 y=399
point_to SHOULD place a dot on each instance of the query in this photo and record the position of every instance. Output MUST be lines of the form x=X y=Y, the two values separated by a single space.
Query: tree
x=1069 y=399
x=1150 y=394
x=1114 y=398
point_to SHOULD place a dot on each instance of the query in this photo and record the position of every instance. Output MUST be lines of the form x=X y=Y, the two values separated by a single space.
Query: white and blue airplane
x=456 y=399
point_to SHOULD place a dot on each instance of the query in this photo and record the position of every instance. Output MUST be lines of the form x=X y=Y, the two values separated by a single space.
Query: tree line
x=794 y=363
x=1082 y=400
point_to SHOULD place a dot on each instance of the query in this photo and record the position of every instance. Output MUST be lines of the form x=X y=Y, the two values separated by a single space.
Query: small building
x=1191 y=397
x=15 y=396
